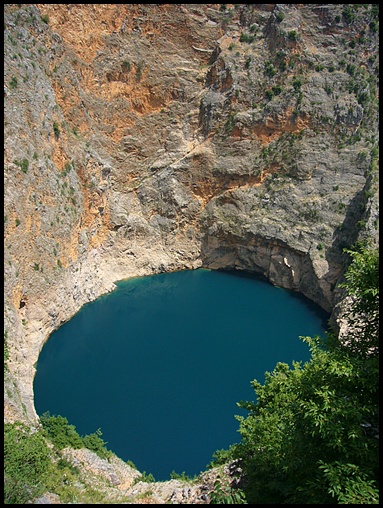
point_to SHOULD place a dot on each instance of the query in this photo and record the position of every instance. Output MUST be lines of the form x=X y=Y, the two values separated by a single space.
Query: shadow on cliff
x=347 y=233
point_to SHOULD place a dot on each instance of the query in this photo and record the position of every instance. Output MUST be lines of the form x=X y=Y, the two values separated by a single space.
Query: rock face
x=142 y=138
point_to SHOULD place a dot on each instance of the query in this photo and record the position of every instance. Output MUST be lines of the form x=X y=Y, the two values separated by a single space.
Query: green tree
x=56 y=130
x=223 y=493
x=26 y=463
x=308 y=421
x=60 y=432
x=95 y=443
x=362 y=285
x=312 y=435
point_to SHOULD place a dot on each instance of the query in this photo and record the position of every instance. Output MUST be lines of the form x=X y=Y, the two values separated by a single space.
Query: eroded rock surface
x=142 y=138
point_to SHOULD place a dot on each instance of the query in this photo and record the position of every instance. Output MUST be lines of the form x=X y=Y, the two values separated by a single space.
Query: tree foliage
x=312 y=435
x=223 y=493
x=62 y=434
x=95 y=443
x=311 y=425
x=362 y=284
x=26 y=463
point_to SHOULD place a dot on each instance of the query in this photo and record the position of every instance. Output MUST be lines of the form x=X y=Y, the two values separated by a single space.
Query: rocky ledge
x=119 y=483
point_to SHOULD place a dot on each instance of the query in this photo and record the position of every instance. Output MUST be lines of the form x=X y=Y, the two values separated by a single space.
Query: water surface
x=160 y=363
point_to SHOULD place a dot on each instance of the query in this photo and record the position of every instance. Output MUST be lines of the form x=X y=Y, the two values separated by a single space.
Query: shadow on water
x=313 y=308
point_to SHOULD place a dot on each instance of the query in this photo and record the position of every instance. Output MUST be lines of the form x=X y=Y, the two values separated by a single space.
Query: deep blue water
x=160 y=363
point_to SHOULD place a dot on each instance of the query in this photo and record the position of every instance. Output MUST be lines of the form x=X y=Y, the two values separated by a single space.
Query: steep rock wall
x=148 y=138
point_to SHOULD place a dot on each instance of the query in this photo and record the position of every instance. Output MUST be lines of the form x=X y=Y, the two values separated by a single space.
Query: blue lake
x=160 y=363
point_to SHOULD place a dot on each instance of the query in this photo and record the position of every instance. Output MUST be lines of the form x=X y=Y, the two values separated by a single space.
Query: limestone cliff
x=142 y=138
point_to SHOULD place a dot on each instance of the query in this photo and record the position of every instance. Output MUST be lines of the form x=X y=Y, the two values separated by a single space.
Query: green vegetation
x=67 y=169
x=299 y=99
x=148 y=478
x=311 y=214
x=6 y=349
x=311 y=437
x=183 y=476
x=223 y=493
x=139 y=70
x=126 y=66
x=13 y=82
x=59 y=432
x=374 y=160
x=277 y=89
x=95 y=443
x=293 y=35
x=56 y=130
x=32 y=468
x=348 y=14
x=350 y=69
x=62 y=434
x=270 y=71
x=246 y=38
x=373 y=26
x=230 y=123
x=362 y=284
x=23 y=165
x=26 y=463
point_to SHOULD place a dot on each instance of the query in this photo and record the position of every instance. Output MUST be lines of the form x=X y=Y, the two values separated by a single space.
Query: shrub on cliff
x=26 y=463
x=362 y=285
x=62 y=434
x=95 y=443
